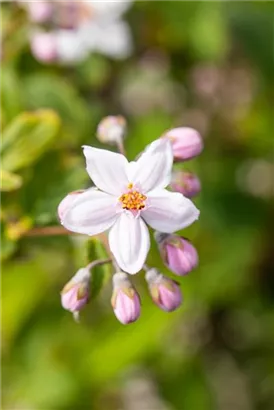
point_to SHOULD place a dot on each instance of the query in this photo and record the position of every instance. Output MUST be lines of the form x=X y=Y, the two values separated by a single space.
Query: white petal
x=114 y=39
x=70 y=45
x=107 y=170
x=129 y=242
x=153 y=168
x=169 y=211
x=92 y=212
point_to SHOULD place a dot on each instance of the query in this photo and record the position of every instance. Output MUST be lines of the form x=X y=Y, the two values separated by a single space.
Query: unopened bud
x=67 y=202
x=186 y=143
x=186 y=183
x=75 y=293
x=178 y=254
x=164 y=291
x=44 y=47
x=111 y=130
x=125 y=299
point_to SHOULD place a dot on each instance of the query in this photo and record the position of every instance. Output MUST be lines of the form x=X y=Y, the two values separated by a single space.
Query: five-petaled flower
x=129 y=196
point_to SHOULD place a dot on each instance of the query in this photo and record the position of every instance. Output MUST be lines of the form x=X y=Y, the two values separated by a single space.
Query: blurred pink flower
x=186 y=183
x=79 y=28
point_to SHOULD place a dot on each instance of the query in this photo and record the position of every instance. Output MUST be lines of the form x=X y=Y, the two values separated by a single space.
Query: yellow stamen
x=133 y=200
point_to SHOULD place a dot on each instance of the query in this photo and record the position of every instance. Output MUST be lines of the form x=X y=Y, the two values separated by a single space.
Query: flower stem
x=121 y=147
x=48 y=231
x=98 y=263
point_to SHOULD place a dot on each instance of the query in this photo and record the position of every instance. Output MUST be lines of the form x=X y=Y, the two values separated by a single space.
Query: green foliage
x=27 y=138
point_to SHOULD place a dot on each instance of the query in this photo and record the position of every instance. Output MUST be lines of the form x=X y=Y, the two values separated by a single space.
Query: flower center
x=133 y=200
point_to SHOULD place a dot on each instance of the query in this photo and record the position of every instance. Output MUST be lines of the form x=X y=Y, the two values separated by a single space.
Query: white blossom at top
x=79 y=28
x=129 y=196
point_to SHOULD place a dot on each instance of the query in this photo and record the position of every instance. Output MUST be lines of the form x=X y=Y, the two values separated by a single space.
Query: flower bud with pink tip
x=164 y=291
x=178 y=254
x=67 y=202
x=125 y=299
x=44 y=47
x=111 y=129
x=75 y=294
x=186 y=183
x=186 y=143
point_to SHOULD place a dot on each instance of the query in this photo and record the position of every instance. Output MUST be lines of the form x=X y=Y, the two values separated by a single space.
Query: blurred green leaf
x=11 y=103
x=57 y=93
x=10 y=181
x=27 y=138
x=208 y=31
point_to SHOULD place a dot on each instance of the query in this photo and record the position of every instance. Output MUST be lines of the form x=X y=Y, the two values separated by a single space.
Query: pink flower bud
x=186 y=143
x=165 y=292
x=111 y=129
x=75 y=293
x=67 y=202
x=44 y=47
x=125 y=299
x=186 y=183
x=178 y=254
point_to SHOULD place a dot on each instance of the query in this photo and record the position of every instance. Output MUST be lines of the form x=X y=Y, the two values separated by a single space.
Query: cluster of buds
x=123 y=202
x=125 y=300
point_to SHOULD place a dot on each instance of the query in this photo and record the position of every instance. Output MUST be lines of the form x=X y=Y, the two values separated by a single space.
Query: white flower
x=93 y=26
x=129 y=196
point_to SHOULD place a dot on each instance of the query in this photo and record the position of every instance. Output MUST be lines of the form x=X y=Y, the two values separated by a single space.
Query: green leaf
x=27 y=138
x=10 y=181
x=50 y=91
x=100 y=274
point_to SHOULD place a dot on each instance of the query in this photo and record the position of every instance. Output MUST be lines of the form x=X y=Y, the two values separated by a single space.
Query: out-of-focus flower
x=186 y=183
x=111 y=129
x=125 y=299
x=227 y=91
x=178 y=254
x=130 y=194
x=186 y=143
x=44 y=47
x=255 y=176
x=148 y=87
x=165 y=292
x=78 y=28
x=75 y=293
x=67 y=202
x=39 y=11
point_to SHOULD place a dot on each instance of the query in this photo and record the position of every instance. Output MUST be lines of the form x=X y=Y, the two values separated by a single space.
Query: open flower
x=129 y=196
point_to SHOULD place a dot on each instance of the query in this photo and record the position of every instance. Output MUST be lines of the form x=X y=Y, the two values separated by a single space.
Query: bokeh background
x=208 y=65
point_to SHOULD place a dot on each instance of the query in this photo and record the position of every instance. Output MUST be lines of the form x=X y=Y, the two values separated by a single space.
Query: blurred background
x=208 y=65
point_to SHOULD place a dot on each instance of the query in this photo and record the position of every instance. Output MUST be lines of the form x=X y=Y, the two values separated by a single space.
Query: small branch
x=104 y=240
x=98 y=263
x=60 y=230
x=48 y=231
